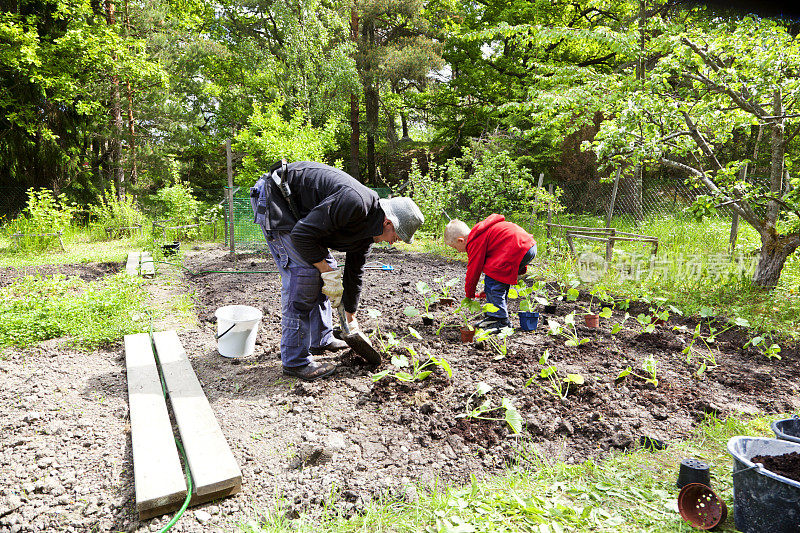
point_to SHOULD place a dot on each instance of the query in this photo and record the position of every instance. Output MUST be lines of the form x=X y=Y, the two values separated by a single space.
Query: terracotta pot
x=592 y=321
x=658 y=321
x=447 y=301
x=467 y=334
x=701 y=507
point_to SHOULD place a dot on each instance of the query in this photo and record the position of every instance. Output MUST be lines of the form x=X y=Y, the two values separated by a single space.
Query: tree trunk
x=115 y=166
x=371 y=105
x=134 y=176
x=774 y=251
x=404 y=122
x=370 y=100
x=355 y=132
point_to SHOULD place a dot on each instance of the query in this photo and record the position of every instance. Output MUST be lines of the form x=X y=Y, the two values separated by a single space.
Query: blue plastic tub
x=763 y=501
x=528 y=321
x=787 y=429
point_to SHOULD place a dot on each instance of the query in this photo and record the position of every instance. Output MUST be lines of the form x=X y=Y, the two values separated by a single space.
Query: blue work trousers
x=305 y=311
x=497 y=291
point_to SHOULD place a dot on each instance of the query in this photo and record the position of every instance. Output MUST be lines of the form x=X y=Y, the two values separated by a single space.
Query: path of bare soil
x=67 y=466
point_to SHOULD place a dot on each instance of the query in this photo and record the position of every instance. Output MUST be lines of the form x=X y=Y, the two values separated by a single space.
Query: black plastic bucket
x=787 y=429
x=763 y=500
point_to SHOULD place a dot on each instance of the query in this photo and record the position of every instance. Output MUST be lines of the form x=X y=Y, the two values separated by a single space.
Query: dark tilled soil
x=346 y=438
x=786 y=465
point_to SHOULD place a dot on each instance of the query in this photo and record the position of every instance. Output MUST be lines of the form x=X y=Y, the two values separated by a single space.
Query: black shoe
x=483 y=322
x=333 y=346
x=496 y=326
x=310 y=372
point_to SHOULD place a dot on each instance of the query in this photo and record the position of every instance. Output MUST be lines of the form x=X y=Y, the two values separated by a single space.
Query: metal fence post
x=613 y=198
x=230 y=195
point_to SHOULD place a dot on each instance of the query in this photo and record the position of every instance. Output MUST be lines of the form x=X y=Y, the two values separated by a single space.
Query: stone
x=202 y=516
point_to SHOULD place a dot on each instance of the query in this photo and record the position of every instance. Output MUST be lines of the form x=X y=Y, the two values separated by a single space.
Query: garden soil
x=66 y=464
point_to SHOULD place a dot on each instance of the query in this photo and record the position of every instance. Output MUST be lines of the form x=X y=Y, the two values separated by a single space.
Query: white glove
x=332 y=286
x=352 y=326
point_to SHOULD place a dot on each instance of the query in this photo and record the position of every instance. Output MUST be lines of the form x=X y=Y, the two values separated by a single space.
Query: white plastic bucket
x=243 y=321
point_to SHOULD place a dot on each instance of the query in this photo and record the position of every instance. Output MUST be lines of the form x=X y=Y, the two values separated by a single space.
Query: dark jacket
x=336 y=212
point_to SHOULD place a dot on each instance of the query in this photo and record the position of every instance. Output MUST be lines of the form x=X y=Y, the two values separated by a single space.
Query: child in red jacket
x=499 y=249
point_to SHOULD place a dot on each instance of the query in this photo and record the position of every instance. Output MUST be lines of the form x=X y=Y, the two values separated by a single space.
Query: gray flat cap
x=404 y=215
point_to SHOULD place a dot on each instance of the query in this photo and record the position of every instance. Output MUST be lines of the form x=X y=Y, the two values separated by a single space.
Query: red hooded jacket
x=495 y=247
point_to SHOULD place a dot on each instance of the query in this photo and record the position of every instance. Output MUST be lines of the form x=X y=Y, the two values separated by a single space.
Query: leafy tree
x=708 y=83
x=269 y=138
x=394 y=49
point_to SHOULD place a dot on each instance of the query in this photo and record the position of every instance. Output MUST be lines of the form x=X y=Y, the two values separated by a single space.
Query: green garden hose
x=199 y=272
x=185 y=505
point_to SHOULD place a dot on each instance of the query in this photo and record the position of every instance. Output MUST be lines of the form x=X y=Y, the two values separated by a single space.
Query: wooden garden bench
x=607 y=235
x=164 y=225
x=118 y=231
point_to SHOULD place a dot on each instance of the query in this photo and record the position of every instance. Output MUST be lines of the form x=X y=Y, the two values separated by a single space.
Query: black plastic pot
x=171 y=248
x=550 y=309
x=693 y=471
x=763 y=500
x=787 y=429
x=427 y=320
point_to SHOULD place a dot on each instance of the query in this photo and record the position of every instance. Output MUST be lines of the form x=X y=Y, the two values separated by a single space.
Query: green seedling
x=528 y=294
x=769 y=349
x=570 y=294
x=568 y=330
x=417 y=371
x=557 y=386
x=498 y=343
x=428 y=297
x=649 y=365
x=388 y=340
x=708 y=359
x=601 y=293
x=619 y=326
x=646 y=321
x=510 y=414
x=445 y=287
x=466 y=312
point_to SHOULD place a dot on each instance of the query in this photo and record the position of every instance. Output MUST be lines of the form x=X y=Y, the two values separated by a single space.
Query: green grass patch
x=632 y=491
x=37 y=308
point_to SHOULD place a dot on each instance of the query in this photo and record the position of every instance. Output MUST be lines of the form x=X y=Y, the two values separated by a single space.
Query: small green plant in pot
x=531 y=296
x=590 y=317
x=428 y=297
x=444 y=295
x=467 y=311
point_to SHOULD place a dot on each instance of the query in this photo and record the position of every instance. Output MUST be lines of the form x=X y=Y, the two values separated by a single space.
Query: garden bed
x=346 y=438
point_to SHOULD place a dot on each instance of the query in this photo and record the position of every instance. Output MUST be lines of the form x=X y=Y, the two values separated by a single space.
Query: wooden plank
x=211 y=461
x=584 y=228
x=148 y=266
x=132 y=264
x=157 y=473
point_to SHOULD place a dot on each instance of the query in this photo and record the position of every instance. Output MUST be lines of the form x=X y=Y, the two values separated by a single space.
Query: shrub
x=45 y=212
x=491 y=182
x=429 y=193
x=176 y=204
x=269 y=137
x=113 y=212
